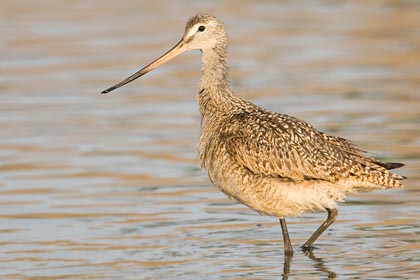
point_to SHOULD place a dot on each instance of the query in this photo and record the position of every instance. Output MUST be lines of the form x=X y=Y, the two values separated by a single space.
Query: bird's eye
x=201 y=28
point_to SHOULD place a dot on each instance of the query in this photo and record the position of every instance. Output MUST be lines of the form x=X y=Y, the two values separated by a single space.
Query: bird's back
x=280 y=146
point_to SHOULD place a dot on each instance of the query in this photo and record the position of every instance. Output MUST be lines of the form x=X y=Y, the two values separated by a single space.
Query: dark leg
x=288 y=249
x=332 y=215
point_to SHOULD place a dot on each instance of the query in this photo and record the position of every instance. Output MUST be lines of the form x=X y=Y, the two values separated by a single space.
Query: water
x=108 y=186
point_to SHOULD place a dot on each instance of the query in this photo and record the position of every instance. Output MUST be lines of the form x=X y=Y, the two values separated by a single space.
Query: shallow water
x=108 y=186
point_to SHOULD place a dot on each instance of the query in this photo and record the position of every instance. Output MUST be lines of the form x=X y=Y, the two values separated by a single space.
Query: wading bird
x=273 y=163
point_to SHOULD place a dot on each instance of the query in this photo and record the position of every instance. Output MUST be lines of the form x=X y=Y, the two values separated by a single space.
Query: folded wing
x=282 y=146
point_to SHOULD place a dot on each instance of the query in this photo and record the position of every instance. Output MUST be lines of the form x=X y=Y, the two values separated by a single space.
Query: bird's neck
x=215 y=93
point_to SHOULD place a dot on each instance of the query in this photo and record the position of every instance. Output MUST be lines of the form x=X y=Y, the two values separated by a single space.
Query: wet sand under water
x=108 y=187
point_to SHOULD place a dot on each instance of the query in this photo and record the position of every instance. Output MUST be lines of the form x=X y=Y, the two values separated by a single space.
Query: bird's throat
x=215 y=93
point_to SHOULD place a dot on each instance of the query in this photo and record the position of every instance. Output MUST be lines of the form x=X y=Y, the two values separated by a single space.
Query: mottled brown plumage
x=275 y=164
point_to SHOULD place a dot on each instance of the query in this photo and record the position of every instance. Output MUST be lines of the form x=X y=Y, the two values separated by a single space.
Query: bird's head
x=202 y=32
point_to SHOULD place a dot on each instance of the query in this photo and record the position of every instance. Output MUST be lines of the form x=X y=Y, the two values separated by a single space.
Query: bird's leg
x=332 y=215
x=288 y=249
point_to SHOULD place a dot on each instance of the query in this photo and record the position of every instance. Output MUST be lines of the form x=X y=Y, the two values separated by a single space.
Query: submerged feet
x=307 y=247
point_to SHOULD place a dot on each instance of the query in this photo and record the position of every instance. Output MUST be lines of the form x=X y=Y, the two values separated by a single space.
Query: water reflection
x=319 y=265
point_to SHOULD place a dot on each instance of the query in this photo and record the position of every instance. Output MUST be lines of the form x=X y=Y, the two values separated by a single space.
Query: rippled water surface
x=108 y=186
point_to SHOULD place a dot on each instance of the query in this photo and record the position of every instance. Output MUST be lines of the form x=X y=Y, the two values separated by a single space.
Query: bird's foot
x=307 y=248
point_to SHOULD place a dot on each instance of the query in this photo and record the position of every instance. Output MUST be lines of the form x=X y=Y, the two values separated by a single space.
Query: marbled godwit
x=273 y=163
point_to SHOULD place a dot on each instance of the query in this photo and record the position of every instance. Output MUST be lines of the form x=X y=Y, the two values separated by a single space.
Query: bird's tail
x=390 y=165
